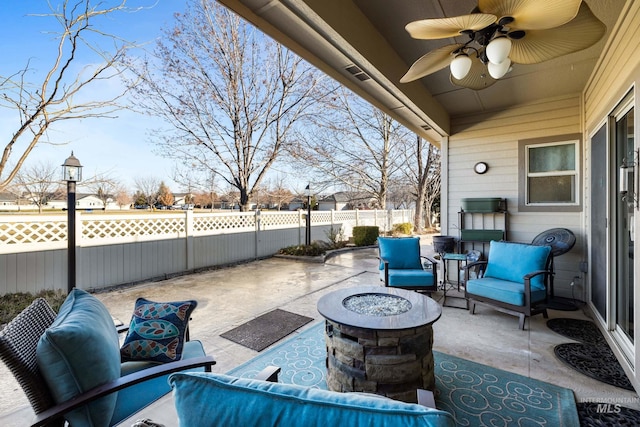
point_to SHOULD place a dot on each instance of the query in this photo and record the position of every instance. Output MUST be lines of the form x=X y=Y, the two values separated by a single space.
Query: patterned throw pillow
x=157 y=331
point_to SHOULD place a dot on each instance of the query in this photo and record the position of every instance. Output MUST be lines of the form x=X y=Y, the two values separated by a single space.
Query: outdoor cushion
x=206 y=399
x=401 y=252
x=78 y=352
x=133 y=399
x=407 y=278
x=512 y=261
x=157 y=330
x=502 y=290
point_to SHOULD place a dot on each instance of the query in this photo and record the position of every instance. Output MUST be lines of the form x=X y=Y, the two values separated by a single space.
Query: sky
x=117 y=147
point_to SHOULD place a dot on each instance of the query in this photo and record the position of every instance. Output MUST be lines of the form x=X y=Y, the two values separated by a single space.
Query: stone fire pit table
x=379 y=340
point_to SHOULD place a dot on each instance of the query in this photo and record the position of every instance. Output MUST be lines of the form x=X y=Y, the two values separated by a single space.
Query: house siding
x=493 y=138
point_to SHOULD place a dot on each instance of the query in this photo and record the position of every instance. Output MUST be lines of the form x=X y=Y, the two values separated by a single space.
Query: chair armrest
x=537 y=273
x=57 y=411
x=467 y=267
x=431 y=260
x=386 y=271
x=270 y=373
x=122 y=328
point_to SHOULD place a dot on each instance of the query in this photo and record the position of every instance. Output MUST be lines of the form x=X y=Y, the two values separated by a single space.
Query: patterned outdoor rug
x=261 y=332
x=476 y=395
x=592 y=355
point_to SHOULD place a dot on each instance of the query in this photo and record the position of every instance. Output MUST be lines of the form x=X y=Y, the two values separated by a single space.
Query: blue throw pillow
x=512 y=261
x=157 y=331
x=206 y=399
x=401 y=252
x=78 y=352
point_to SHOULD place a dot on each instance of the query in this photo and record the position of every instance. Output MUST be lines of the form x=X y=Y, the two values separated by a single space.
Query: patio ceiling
x=336 y=35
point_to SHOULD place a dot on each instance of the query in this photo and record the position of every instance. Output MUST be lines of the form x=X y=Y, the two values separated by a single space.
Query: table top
x=423 y=311
x=456 y=257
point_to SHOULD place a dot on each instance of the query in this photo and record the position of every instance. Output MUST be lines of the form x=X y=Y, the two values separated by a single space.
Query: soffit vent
x=426 y=127
x=357 y=72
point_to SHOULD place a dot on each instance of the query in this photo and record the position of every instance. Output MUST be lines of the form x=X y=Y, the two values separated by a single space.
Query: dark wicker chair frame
x=18 y=343
x=521 y=311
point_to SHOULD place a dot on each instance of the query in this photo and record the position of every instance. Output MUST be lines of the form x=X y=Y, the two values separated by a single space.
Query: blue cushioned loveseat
x=514 y=280
x=69 y=364
x=402 y=266
x=207 y=400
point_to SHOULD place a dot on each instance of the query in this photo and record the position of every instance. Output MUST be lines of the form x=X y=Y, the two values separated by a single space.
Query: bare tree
x=230 y=95
x=104 y=187
x=277 y=193
x=38 y=182
x=122 y=197
x=356 y=147
x=422 y=173
x=147 y=189
x=63 y=93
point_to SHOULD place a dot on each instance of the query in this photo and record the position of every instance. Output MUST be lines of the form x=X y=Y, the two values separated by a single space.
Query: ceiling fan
x=500 y=33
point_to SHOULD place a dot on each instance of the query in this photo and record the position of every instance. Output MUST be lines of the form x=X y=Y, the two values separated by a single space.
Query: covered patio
x=228 y=297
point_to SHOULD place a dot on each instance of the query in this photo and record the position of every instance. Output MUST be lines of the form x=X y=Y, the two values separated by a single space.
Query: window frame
x=524 y=147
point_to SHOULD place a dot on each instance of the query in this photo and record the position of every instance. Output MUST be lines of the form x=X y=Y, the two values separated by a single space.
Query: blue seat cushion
x=502 y=290
x=205 y=399
x=401 y=252
x=408 y=278
x=512 y=261
x=79 y=351
x=133 y=399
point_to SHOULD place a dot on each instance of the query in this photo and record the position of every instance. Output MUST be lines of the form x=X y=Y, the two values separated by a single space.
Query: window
x=550 y=174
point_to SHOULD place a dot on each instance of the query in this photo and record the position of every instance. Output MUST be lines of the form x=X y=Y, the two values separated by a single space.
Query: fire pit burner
x=377 y=304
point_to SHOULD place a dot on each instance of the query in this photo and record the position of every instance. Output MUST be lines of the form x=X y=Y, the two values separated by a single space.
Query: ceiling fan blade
x=532 y=14
x=442 y=28
x=478 y=77
x=433 y=61
x=541 y=45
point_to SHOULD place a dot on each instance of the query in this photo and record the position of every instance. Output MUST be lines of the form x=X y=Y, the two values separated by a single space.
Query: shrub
x=403 y=228
x=314 y=249
x=365 y=235
x=12 y=304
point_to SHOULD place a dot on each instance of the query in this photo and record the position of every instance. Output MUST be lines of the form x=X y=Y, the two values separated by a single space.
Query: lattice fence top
x=24 y=233
x=38 y=231
x=133 y=227
x=241 y=221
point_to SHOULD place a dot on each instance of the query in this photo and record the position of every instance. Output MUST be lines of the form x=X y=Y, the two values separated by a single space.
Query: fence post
x=258 y=218
x=357 y=217
x=302 y=226
x=189 y=243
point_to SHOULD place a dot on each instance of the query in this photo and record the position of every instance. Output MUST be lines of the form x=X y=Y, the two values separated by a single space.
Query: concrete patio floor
x=230 y=296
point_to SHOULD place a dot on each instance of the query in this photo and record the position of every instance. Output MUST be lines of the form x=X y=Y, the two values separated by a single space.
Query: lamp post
x=72 y=173
x=307 y=239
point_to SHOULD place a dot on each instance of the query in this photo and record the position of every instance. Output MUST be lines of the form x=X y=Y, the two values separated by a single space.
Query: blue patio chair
x=402 y=266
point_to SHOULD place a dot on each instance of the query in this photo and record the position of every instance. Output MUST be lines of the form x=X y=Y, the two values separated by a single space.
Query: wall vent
x=357 y=72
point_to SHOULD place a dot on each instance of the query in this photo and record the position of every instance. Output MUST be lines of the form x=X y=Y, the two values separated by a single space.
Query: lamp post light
x=72 y=173
x=307 y=239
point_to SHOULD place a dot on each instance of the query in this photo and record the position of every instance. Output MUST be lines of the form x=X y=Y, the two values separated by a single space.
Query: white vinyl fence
x=117 y=249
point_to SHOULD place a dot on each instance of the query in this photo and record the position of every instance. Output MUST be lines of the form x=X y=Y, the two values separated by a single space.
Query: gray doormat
x=261 y=332
x=595 y=361
x=607 y=415
x=580 y=330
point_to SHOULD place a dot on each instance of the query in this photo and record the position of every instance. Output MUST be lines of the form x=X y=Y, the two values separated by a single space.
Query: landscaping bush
x=365 y=235
x=336 y=237
x=314 y=249
x=403 y=228
x=12 y=304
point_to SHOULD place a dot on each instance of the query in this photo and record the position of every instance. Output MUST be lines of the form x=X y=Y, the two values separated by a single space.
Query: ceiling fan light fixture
x=499 y=70
x=460 y=66
x=498 y=49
